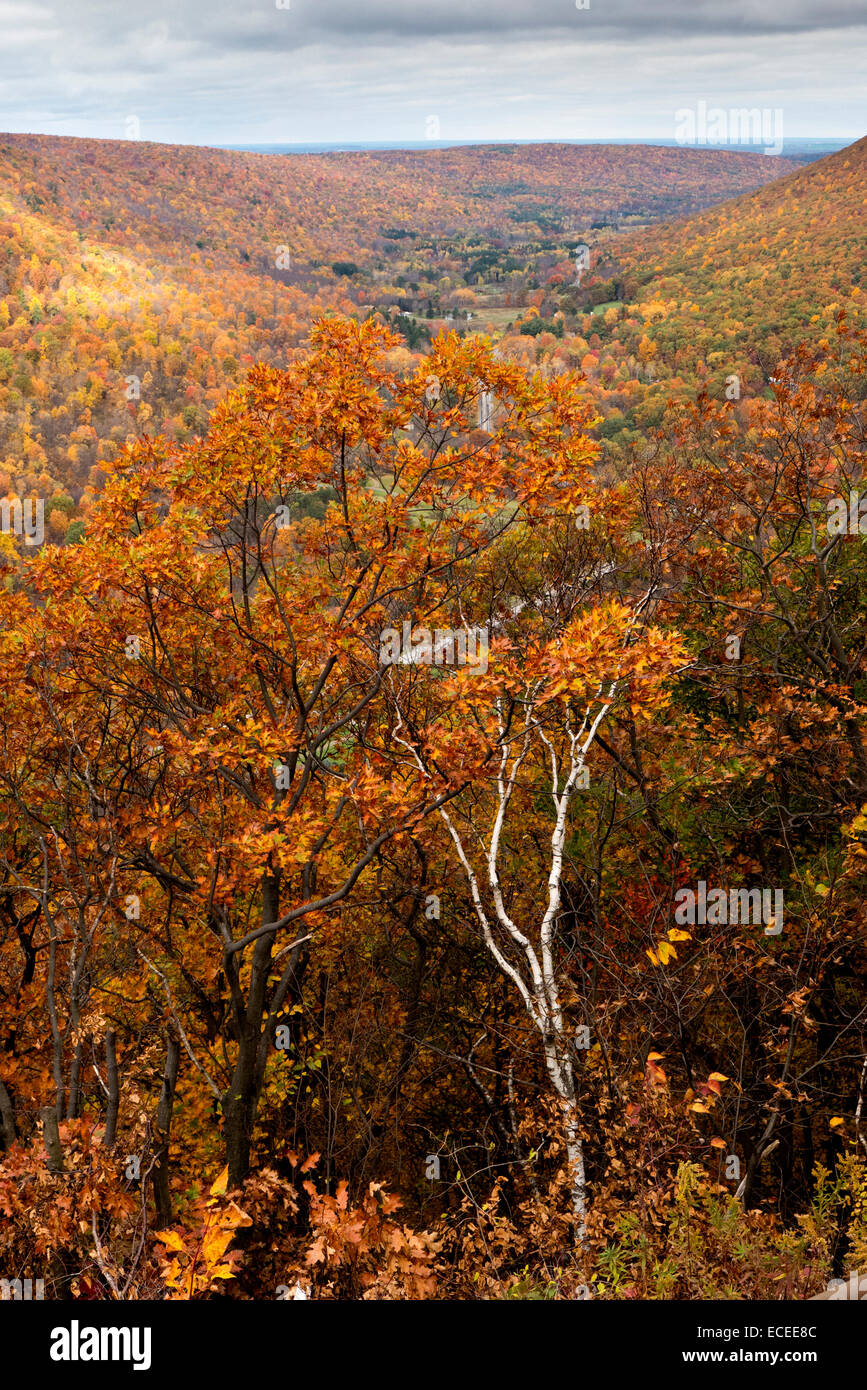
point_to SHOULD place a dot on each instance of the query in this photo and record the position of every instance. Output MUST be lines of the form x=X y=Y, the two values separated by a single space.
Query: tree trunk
x=162 y=1188
x=575 y=1155
x=75 y=1083
x=7 y=1118
x=113 y=1089
x=241 y=1099
x=240 y=1103
x=51 y=1138
x=560 y=1071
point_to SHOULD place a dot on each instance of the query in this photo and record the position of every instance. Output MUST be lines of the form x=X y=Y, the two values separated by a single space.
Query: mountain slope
x=138 y=281
x=753 y=275
x=711 y=301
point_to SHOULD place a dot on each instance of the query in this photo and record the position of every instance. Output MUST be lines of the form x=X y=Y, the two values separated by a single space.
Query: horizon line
x=414 y=146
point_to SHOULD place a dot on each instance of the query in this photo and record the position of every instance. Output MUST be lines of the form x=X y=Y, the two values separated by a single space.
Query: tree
x=245 y=766
x=567 y=659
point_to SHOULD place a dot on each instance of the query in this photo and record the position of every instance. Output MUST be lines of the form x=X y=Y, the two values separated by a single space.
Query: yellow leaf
x=221 y=1183
x=171 y=1240
x=666 y=952
x=653 y=956
x=214 y=1246
x=677 y=935
x=837 y=1120
x=717 y=1076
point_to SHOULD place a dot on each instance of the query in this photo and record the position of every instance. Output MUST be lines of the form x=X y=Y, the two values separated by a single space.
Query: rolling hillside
x=138 y=281
x=713 y=300
x=751 y=277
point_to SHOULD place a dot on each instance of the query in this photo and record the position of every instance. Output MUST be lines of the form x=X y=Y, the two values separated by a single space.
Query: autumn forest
x=433 y=793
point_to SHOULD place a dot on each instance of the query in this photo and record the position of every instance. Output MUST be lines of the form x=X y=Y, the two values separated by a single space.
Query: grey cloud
x=626 y=18
x=104 y=24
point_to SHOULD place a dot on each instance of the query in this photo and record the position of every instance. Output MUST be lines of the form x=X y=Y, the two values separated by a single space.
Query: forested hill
x=711 y=301
x=173 y=196
x=758 y=271
x=139 y=281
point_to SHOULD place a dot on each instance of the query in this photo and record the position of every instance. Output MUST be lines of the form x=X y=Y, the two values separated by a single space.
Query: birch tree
x=541 y=709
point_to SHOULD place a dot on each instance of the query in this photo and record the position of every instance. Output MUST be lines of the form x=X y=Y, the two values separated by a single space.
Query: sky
x=214 y=72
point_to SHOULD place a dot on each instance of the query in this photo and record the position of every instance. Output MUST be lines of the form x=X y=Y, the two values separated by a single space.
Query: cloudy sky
x=248 y=71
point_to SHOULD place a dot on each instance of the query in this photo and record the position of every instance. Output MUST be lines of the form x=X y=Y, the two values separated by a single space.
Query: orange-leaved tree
x=220 y=769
